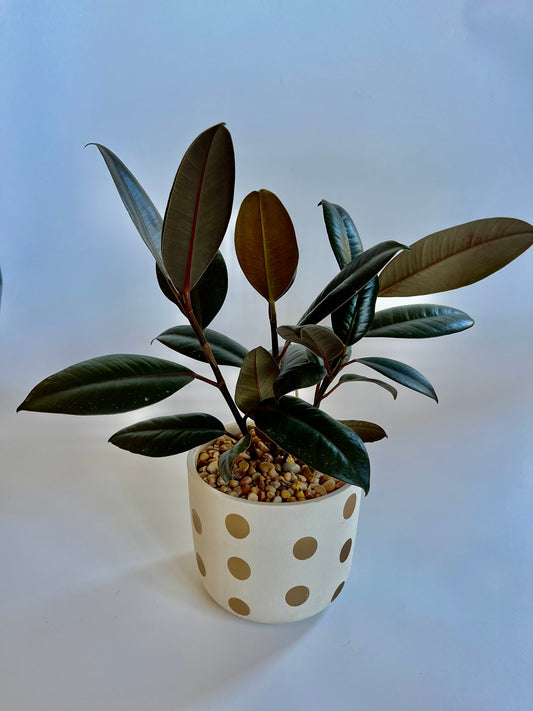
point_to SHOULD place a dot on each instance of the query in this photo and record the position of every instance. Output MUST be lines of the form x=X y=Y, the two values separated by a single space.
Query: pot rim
x=192 y=456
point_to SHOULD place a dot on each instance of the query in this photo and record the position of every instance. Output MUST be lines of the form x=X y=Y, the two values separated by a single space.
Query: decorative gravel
x=274 y=476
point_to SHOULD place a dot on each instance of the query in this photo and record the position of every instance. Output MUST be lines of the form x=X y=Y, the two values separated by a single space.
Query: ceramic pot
x=272 y=562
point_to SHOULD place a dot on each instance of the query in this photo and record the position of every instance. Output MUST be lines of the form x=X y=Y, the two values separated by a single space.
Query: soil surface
x=271 y=476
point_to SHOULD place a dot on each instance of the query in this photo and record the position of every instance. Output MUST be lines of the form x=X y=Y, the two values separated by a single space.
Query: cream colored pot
x=271 y=562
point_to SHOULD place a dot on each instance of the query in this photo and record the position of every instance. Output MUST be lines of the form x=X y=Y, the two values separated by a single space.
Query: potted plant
x=275 y=496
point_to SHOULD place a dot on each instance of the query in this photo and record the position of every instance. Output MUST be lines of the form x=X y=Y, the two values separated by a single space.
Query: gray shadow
x=150 y=635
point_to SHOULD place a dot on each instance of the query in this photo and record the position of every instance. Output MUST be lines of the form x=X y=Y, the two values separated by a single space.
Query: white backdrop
x=414 y=117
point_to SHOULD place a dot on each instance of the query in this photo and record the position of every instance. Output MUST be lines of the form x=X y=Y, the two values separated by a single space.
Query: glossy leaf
x=297 y=354
x=456 y=257
x=256 y=379
x=419 y=321
x=182 y=339
x=318 y=339
x=351 y=377
x=401 y=373
x=209 y=294
x=316 y=438
x=227 y=459
x=352 y=320
x=343 y=236
x=140 y=208
x=199 y=207
x=298 y=369
x=107 y=385
x=164 y=436
x=350 y=280
x=265 y=243
x=368 y=431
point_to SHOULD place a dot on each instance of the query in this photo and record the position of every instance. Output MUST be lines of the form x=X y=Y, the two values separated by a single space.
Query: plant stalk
x=273 y=328
x=321 y=388
x=185 y=299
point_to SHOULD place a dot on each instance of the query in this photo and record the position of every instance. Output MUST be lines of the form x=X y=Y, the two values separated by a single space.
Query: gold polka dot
x=297 y=596
x=349 y=506
x=345 y=550
x=305 y=548
x=196 y=521
x=239 y=568
x=201 y=566
x=237 y=526
x=337 y=592
x=238 y=606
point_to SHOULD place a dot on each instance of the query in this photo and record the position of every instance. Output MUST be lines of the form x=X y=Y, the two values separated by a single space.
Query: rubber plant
x=192 y=274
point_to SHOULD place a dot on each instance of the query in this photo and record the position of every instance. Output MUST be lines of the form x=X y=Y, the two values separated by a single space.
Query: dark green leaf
x=349 y=378
x=297 y=371
x=208 y=296
x=368 y=431
x=419 y=321
x=350 y=280
x=106 y=385
x=256 y=379
x=352 y=320
x=199 y=207
x=316 y=438
x=297 y=355
x=227 y=459
x=182 y=339
x=265 y=243
x=140 y=208
x=318 y=339
x=343 y=236
x=163 y=436
x=456 y=257
x=401 y=373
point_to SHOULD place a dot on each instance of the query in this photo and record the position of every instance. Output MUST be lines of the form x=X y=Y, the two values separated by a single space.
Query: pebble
x=329 y=485
x=319 y=489
x=292 y=467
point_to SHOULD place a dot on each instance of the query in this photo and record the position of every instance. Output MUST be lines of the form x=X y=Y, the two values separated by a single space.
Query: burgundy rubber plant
x=317 y=351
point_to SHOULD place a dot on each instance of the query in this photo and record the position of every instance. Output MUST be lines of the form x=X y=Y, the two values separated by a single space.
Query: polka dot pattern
x=239 y=568
x=201 y=566
x=337 y=591
x=345 y=550
x=297 y=596
x=272 y=565
x=349 y=506
x=305 y=548
x=237 y=526
x=239 y=606
x=196 y=521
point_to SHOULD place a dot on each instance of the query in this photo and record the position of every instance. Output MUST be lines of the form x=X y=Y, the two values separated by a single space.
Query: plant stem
x=184 y=298
x=273 y=328
x=330 y=391
x=321 y=388
x=285 y=348
x=205 y=380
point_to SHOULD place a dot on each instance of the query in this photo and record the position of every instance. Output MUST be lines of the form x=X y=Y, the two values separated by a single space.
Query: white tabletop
x=103 y=606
